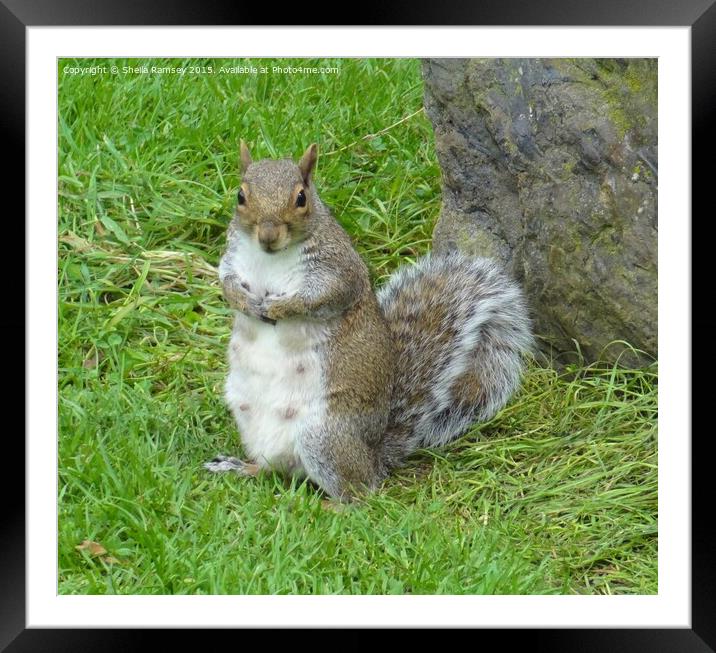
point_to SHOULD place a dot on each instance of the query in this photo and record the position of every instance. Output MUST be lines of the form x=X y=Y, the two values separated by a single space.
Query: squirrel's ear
x=308 y=161
x=244 y=158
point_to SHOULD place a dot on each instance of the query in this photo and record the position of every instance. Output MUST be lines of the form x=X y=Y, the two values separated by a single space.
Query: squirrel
x=331 y=381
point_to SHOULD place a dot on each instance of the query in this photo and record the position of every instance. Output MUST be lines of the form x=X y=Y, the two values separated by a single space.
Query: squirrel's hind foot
x=230 y=464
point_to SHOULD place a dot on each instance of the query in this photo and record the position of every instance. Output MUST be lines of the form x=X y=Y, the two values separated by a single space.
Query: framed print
x=133 y=124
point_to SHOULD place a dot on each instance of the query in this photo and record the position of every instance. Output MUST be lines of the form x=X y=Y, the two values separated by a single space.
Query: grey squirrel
x=328 y=380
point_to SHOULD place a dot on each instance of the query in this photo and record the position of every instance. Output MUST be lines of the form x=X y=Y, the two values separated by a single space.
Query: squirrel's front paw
x=237 y=292
x=255 y=308
x=274 y=308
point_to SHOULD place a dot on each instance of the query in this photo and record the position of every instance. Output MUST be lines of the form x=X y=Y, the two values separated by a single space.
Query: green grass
x=557 y=494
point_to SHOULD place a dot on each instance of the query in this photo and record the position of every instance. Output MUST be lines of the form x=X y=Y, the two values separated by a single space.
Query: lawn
x=556 y=494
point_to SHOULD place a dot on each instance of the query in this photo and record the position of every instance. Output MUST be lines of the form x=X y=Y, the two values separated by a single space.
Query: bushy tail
x=461 y=327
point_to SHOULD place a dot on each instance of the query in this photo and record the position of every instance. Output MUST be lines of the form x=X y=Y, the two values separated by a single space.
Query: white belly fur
x=275 y=387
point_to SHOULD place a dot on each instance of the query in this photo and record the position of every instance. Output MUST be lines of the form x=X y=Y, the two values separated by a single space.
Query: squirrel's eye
x=242 y=197
x=301 y=198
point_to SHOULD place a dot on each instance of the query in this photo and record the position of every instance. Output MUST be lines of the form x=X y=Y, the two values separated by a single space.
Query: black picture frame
x=700 y=15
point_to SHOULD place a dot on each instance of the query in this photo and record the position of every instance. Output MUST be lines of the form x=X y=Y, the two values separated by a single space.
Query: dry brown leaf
x=76 y=242
x=93 y=548
x=93 y=360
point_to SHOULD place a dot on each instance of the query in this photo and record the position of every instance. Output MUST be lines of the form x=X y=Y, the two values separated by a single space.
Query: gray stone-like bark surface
x=551 y=166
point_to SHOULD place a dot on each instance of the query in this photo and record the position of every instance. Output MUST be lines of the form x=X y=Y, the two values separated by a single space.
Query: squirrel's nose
x=268 y=234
